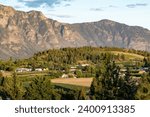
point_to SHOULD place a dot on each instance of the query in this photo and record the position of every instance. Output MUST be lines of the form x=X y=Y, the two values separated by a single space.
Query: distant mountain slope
x=110 y=33
x=24 y=33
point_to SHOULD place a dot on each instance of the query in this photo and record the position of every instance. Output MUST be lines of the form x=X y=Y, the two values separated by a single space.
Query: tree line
x=107 y=84
x=58 y=59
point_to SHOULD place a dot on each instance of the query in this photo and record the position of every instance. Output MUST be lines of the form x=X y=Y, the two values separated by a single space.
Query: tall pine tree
x=110 y=85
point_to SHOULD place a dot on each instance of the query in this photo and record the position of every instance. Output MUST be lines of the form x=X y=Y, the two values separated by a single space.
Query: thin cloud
x=67 y=5
x=60 y=16
x=144 y=4
x=17 y=7
x=103 y=8
x=131 y=5
x=96 y=9
x=112 y=6
x=28 y=0
x=136 y=5
x=38 y=3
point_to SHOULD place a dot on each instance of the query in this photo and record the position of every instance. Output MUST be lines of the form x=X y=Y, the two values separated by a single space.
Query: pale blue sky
x=131 y=12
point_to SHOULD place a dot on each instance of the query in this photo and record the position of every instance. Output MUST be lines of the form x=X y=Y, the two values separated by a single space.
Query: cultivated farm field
x=85 y=82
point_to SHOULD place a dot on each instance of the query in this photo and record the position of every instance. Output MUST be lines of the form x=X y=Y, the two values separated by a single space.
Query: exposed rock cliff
x=24 y=33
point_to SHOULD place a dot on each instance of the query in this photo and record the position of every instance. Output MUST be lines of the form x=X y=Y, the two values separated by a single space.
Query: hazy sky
x=131 y=12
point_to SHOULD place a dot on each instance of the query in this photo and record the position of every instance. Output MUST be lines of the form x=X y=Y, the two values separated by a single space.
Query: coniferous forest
x=117 y=74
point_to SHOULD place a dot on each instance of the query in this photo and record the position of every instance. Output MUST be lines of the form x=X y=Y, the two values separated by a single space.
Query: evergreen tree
x=82 y=94
x=94 y=89
x=12 y=88
x=143 y=91
x=127 y=87
x=78 y=73
x=41 y=89
x=110 y=85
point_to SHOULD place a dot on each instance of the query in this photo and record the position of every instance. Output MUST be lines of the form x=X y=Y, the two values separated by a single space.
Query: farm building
x=23 y=70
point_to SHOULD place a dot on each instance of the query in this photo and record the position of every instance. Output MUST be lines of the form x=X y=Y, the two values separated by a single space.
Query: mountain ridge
x=24 y=33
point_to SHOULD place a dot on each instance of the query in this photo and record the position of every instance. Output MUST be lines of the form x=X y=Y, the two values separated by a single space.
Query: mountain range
x=24 y=33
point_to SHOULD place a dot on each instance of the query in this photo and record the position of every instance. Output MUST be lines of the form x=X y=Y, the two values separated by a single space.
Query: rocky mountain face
x=24 y=33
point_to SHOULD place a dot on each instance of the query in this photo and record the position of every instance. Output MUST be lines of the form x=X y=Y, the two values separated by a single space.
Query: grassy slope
x=129 y=55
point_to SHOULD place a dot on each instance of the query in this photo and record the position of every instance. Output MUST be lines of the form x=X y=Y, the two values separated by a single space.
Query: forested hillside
x=116 y=74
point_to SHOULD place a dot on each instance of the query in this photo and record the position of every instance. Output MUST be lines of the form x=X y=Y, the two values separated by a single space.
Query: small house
x=70 y=75
x=65 y=76
x=23 y=70
x=39 y=69
x=142 y=71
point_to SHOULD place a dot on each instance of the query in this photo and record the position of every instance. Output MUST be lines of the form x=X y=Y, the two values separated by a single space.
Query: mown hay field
x=85 y=82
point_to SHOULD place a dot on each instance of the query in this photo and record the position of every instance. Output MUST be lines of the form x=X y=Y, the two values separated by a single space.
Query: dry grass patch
x=6 y=74
x=74 y=81
x=130 y=55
